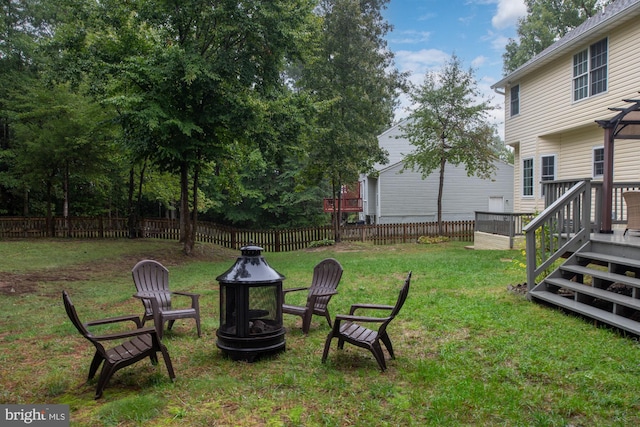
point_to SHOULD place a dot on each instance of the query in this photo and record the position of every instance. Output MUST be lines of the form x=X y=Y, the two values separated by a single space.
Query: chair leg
x=379 y=355
x=198 y=326
x=167 y=362
x=95 y=364
x=387 y=343
x=327 y=344
x=326 y=314
x=159 y=325
x=306 y=321
x=144 y=318
x=170 y=325
x=105 y=375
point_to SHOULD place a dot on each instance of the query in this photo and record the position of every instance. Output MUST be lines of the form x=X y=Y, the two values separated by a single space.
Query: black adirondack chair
x=326 y=277
x=134 y=345
x=348 y=328
x=152 y=282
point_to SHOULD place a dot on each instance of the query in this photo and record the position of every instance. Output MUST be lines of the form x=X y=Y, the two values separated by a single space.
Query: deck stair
x=600 y=281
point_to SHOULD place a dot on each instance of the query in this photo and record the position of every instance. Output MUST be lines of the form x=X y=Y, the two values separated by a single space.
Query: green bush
x=320 y=243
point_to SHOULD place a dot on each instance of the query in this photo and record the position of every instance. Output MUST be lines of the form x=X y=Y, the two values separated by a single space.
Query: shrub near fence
x=234 y=238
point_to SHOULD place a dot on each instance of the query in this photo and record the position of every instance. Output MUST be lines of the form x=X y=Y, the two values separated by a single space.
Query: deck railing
x=508 y=224
x=553 y=190
x=271 y=240
x=562 y=227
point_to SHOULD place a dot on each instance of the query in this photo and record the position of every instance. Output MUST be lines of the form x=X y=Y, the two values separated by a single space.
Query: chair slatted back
x=326 y=277
x=73 y=316
x=402 y=297
x=152 y=277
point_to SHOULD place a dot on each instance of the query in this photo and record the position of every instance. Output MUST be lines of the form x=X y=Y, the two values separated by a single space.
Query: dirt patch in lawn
x=26 y=283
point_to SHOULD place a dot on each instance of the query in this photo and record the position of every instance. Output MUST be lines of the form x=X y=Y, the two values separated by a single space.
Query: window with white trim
x=598 y=162
x=515 y=100
x=590 y=70
x=527 y=177
x=548 y=171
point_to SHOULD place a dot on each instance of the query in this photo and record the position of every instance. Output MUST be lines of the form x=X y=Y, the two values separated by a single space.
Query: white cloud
x=478 y=61
x=427 y=17
x=421 y=61
x=507 y=13
x=410 y=37
x=499 y=42
x=417 y=64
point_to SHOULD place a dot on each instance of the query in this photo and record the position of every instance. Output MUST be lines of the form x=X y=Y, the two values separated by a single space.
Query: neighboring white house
x=552 y=103
x=394 y=197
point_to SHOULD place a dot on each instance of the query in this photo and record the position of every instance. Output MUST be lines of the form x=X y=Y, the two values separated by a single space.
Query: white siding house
x=552 y=103
x=394 y=197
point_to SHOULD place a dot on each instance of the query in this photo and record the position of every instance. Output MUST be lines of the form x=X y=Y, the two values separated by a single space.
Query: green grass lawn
x=468 y=352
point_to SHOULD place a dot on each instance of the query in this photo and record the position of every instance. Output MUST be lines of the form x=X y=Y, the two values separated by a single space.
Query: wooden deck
x=600 y=281
x=632 y=239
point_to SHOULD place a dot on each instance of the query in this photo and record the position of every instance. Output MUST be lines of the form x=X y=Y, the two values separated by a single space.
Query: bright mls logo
x=34 y=415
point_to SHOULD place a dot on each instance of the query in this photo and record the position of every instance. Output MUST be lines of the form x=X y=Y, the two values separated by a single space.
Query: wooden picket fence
x=229 y=237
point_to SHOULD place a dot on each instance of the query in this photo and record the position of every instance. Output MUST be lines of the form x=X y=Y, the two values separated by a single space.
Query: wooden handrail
x=568 y=220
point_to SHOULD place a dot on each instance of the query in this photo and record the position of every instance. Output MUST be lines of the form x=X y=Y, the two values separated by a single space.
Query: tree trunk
x=139 y=198
x=50 y=225
x=131 y=217
x=187 y=218
x=338 y=233
x=443 y=162
x=65 y=201
x=336 y=219
x=190 y=242
x=25 y=206
x=184 y=202
x=133 y=220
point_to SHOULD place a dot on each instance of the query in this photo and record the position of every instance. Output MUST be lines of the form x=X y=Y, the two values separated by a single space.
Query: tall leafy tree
x=18 y=34
x=61 y=143
x=449 y=125
x=353 y=77
x=545 y=23
x=192 y=80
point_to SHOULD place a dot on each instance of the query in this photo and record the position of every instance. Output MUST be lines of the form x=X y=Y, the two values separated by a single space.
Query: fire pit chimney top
x=250 y=267
x=251 y=250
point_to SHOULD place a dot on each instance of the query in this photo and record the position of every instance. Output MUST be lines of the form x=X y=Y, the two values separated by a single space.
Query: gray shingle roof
x=614 y=14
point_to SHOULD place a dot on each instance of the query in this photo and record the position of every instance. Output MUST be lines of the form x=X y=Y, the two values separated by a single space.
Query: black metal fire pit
x=250 y=308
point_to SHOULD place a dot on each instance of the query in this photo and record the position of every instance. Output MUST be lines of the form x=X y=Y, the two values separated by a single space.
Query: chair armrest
x=367 y=319
x=186 y=294
x=323 y=293
x=354 y=307
x=155 y=308
x=126 y=334
x=129 y=317
x=151 y=296
x=284 y=291
x=194 y=297
x=311 y=301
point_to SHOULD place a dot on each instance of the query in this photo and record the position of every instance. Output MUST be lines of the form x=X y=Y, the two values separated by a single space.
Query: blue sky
x=427 y=32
